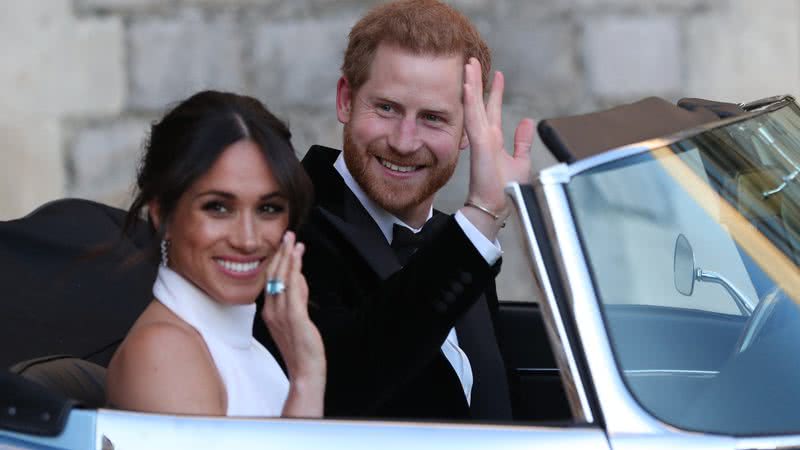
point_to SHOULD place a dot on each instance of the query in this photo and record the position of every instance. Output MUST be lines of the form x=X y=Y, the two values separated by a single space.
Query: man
x=411 y=338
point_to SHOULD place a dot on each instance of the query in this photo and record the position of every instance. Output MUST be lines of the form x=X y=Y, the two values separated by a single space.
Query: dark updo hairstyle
x=190 y=138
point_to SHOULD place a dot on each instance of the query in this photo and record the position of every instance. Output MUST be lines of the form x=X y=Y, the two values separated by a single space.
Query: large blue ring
x=275 y=286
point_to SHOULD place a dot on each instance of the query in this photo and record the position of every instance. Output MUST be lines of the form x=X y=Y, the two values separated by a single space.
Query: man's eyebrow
x=438 y=112
x=441 y=111
x=383 y=99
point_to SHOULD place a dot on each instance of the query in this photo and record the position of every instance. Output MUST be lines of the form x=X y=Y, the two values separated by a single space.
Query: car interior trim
x=621 y=412
x=554 y=325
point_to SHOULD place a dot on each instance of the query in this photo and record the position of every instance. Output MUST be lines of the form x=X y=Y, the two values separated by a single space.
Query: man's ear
x=154 y=212
x=344 y=100
x=464 y=140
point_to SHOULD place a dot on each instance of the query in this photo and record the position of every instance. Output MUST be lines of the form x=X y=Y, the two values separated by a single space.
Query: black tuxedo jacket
x=383 y=325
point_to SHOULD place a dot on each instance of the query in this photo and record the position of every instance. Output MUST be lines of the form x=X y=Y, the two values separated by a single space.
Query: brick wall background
x=82 y=79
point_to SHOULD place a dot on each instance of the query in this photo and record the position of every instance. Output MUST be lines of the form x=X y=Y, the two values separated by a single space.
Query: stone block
x=92 y=70
x=104 y=159
x=628 y=57
x=123 y=6
x=744 y=52
x=473 y=8
x=229 y=3
x=640 y=6
x=526 y=14
x=320 y=8
x=297 y=63
x=60 y=65
x=174 y=57
x=311 y=126
x=540 y=65
x=32 y=172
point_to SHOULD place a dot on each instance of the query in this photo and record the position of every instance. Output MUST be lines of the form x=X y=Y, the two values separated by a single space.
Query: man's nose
x=404 y=138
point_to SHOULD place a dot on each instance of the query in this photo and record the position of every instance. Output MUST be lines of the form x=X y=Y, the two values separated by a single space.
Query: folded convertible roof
x=572 y=138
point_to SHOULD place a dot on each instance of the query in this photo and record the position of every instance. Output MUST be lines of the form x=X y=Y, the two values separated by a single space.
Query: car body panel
x=123 y=430
x=79 y=433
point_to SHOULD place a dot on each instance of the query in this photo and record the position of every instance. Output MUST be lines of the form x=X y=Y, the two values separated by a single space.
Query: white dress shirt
x=489 y=250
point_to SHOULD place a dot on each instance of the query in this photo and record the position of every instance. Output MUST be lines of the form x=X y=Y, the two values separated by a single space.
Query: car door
x=681 y=280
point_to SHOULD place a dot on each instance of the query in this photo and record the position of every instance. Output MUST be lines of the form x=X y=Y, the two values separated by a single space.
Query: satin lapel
x=344 y=212
x=368 y=241
x=476 y=337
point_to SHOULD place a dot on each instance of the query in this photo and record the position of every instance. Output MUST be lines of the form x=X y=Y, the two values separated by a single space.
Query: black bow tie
x=405 y=242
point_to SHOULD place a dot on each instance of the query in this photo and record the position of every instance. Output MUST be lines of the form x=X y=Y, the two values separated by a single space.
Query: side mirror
x=683 y=266
x=686 y=273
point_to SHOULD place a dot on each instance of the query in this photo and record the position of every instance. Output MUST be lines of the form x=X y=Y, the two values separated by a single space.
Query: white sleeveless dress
x=254 y=382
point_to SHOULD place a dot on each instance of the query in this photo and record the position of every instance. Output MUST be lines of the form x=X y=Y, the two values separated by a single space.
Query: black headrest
x=74 y=378
x=573 y=138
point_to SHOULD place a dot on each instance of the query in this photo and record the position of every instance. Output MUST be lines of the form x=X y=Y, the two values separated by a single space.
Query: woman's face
x=228 y=225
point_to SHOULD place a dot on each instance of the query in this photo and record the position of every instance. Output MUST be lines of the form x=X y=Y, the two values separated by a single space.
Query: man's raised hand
x=491 y=166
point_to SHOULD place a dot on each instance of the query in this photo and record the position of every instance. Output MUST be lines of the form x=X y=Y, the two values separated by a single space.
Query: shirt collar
x=383 y=218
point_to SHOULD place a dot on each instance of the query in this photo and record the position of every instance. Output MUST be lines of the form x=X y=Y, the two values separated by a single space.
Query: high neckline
x=233 y=324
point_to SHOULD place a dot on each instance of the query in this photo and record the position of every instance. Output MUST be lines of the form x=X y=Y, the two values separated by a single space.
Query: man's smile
x=397 y=168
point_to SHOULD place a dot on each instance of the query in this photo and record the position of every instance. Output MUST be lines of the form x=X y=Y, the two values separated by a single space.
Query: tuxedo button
x=457 y=288
x=466 y=277
x=439 y=306
x=449 y=297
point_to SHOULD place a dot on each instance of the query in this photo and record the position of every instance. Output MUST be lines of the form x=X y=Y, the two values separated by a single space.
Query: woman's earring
x=164 y=254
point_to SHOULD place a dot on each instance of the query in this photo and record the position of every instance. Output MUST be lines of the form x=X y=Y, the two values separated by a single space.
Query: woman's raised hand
x=286 y=316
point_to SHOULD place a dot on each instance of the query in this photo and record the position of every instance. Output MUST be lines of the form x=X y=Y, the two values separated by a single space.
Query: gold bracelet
x=488 y=211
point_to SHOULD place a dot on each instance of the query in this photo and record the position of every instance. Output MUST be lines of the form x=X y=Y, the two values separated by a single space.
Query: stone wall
x=82 y=79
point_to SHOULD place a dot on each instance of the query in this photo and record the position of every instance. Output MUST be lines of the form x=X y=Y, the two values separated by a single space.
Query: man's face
x=403 y=129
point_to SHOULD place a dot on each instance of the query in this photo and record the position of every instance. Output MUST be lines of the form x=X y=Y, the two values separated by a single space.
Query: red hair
x=421 y=27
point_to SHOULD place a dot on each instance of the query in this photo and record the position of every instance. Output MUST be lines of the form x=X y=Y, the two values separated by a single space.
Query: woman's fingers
x=299 y=250
x=285 y=257
x=296 y=279
x=291 y=304
x=286 y=316
x=273 y=307
x=273 y=262
x=296 y=290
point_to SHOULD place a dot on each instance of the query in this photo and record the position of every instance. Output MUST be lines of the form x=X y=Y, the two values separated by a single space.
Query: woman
x=223 y=188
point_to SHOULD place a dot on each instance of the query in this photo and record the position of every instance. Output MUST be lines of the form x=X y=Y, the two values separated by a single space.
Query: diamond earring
x=164 y=254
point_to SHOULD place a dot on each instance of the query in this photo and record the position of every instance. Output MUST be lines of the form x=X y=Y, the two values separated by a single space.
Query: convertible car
x=662 y=309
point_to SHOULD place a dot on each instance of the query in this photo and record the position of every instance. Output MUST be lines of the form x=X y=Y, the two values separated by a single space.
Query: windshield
x=693 y=248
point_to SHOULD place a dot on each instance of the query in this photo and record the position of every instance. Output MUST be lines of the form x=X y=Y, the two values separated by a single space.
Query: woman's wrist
x=308 y=383
x=306 y=397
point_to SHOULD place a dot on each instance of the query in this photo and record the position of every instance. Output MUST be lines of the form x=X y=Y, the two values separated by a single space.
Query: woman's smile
x=240 y=268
